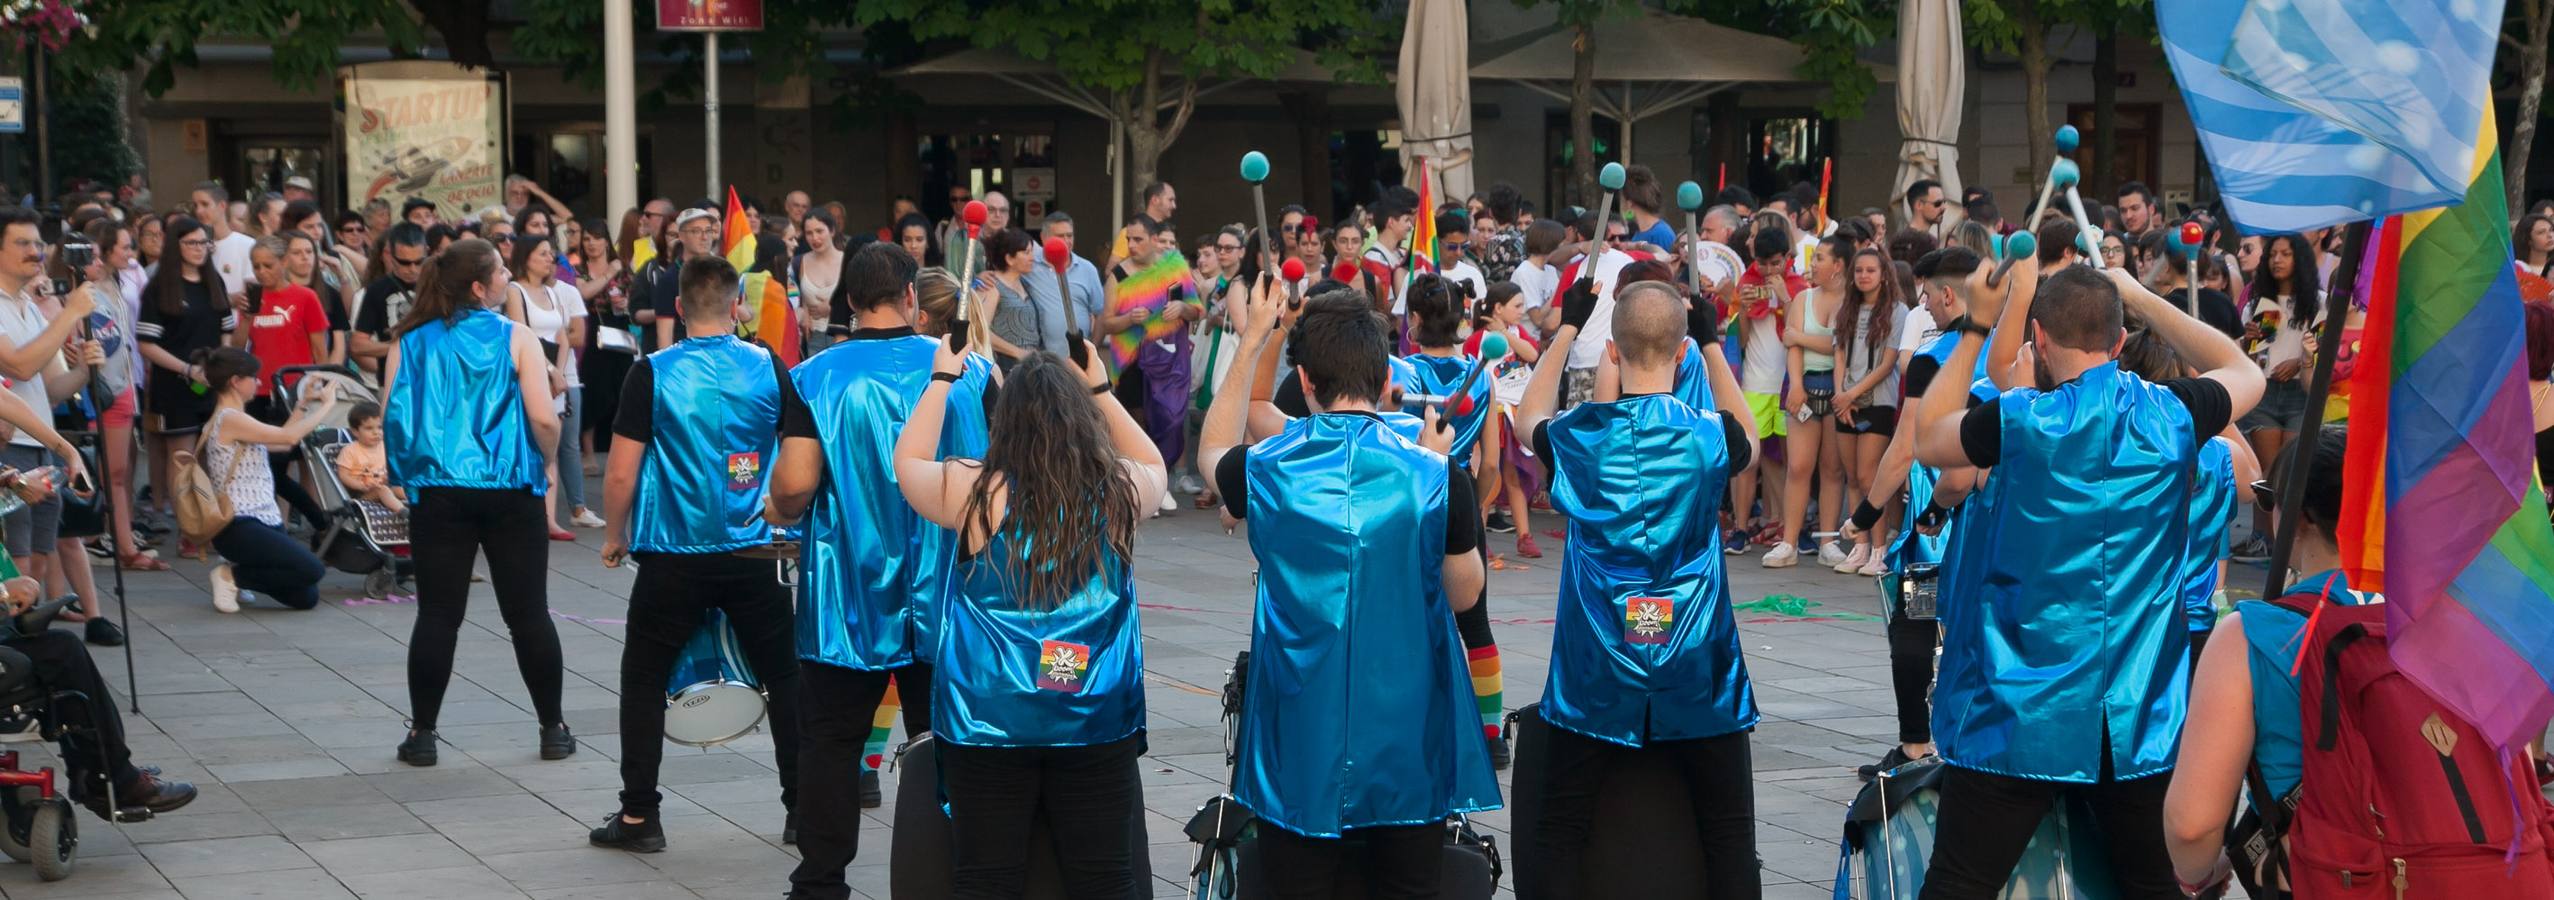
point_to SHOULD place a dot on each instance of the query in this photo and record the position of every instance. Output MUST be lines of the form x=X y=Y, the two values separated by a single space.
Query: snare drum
x=712 y=697
x=1917 y=592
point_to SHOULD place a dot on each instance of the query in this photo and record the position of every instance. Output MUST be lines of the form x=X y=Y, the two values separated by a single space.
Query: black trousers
x=1089 y=795
x=1719 y=783
x=93 y=747
x=834 y=713
x=666 y=605
x=1403 y=862
x=447 y=527
x=1911 y=644
x=1986 y=822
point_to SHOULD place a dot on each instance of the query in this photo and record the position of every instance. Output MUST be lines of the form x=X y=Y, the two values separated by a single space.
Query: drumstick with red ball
x=1059 y=256
x=1293 y=272
x=2193 y=237
x=973 y=214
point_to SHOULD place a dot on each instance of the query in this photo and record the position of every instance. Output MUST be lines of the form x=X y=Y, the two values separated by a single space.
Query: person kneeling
x=1645 y=657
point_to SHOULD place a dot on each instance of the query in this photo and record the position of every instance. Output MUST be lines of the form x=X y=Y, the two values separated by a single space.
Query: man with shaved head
x=1645 y=656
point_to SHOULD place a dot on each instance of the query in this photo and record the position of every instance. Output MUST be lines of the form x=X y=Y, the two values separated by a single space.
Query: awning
x=1647 y=64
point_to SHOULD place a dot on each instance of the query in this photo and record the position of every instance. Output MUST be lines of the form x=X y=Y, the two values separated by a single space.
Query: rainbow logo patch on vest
x=744 y=470
x=1061 y=665
x=1646 y=619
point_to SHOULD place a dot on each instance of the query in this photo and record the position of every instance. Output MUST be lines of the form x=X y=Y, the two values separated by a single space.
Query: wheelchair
x=40 y=829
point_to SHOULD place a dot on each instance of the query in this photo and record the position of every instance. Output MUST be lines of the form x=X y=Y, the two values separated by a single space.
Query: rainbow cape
x=1148 y=291
x=2442 y=511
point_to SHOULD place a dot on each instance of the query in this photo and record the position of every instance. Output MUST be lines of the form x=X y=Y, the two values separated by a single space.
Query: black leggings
x=1720 y=786
x=1089 y=795
x=1400 y=861
x=833 y=732
x=447 y=527
x=1986 y=821
x=666 y=605
x=1911 y=644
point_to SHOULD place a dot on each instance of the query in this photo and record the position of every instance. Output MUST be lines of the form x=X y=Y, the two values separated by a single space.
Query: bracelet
x=1866 y=515
x=1100 y=388
x=950 y=377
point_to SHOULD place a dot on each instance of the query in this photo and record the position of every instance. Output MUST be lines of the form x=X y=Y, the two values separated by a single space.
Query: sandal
x=137 y=561
x=1209 y=501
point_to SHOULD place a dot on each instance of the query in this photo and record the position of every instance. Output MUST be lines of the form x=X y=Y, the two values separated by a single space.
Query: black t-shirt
x=385 y=301
x=664 y=293
x=2215 y=309
x=1462 y=521
x=1982 y=428
x=1731 y=431
x=636 y=418
x=797 y=421
x=1919 y=377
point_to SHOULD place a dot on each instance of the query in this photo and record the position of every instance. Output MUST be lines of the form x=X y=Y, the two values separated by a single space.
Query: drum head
x=712 y=713
x=773 y=550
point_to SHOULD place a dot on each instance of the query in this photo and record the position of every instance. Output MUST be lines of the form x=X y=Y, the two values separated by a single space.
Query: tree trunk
x=1582 y=115
x=1146 y=134
x=2102 y=177
x=2538 y=15
x=2035 y=90
x=464 y=27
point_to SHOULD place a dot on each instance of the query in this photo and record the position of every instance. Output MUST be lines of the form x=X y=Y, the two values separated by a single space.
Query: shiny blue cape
x=1438 y=375
x=963 y=434
x=1645 y=647
x=715 y=427
x=1360 y=709
x=455 y=416
x=2076 y=631
x=2212 y=509
x=1008 y=676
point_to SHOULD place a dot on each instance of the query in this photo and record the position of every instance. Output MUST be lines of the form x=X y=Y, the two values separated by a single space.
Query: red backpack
x=2400 y=797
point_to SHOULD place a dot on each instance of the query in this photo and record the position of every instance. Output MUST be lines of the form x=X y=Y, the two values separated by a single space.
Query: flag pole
x=2289 y=484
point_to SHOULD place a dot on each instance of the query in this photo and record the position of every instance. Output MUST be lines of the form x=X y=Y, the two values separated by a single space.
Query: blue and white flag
x=2320 y=112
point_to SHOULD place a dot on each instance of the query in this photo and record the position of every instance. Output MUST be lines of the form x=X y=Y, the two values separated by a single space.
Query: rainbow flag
x=2441 y=478
x=1149 y=292
x=771 y=319
x=1424 y=253
x=738 y=241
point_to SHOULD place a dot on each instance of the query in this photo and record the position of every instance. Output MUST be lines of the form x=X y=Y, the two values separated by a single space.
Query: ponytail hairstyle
x=221 y=364
x=445 y=280
x=1485 y=313
x=1436 y=309
x=935 y=292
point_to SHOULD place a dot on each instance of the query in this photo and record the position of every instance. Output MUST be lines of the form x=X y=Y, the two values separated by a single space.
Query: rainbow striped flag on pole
x=2318 y=112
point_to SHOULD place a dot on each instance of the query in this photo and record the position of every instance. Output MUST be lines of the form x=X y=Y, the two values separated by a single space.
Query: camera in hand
x=78 y=254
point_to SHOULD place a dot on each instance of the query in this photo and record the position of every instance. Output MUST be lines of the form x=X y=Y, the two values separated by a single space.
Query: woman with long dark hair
x=1867 y=326
x=2284 y=310
x=2534 y=238
x=469 y=429
x=1039 y=683
x=183 y=311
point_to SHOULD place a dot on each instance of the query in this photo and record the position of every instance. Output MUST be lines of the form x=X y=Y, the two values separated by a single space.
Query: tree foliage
x=1832 y=35
x=161 y=35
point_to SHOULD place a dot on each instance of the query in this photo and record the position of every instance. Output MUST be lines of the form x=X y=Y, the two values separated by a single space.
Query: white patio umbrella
x=1434 y=87
x=1932 y=76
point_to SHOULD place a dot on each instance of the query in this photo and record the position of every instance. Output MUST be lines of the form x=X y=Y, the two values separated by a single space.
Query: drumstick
x=973 y=214
x=1293 y=272
x=2021 y=244
x=1610 y=178
x=2066 y=141
x=1689 y=197
x=1255 y=171
x=1494 y=346
x=1059 y=256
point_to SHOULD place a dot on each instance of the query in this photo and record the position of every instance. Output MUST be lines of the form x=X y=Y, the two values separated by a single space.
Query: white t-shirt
x=21 y=323
x=1918 y=329
x=1465 y=272
x=1590 y=345
x=1765 y=363
x=230 y=256
x=1535 y=283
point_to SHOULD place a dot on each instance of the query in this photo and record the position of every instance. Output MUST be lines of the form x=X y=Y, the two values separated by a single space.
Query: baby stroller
x=361 y=537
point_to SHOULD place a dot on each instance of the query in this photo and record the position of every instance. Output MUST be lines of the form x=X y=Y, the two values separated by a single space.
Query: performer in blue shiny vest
x=1645 y=655
x=468 y=430
x=1039 y=697
x=862 y=553
x=2221 y=483
x=1359 y=721
x=695 y=434
x=2065 y=672
x=1435 y=372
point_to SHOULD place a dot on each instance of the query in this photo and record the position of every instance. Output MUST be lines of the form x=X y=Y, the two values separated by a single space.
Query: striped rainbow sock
x=874 y=756
x=1489 y=687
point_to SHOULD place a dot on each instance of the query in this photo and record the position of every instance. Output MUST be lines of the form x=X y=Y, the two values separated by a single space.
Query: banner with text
x=436 y=138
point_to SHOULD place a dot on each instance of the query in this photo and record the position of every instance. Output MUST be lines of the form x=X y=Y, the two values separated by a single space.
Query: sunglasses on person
x=350 y=229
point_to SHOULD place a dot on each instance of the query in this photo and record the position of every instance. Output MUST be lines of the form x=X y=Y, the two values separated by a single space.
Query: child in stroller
x=368 y=529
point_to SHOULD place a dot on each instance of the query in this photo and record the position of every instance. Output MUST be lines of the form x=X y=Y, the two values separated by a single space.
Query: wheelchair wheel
x=54 y=838
x=18 y=804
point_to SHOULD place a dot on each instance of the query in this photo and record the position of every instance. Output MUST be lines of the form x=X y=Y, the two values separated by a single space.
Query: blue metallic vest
x=1645 y=648
x=2076 y=630
x=858 y=560
x=962 y=435
x=1360 y=709
x=455 y=417
x=2212 y=508
x=1006 y=676
x=1907 y=547
x=1437 y=376
x=1694 y=379
x=716 y=424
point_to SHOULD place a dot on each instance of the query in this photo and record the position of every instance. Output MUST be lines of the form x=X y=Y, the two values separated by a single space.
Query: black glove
x=1080 y=350
x=1578 y=304
x=1934 y=516
x=1702 y=319
x=958 y=338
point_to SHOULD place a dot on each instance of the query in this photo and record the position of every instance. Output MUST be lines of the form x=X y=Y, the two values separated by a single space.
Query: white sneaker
x=585 y=518
x=1877 y=566
x=1170 y=502
x=225 y=589
x=1853 y=561
x=1829 y=554
x=1188 y=484
x=1784 y=555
